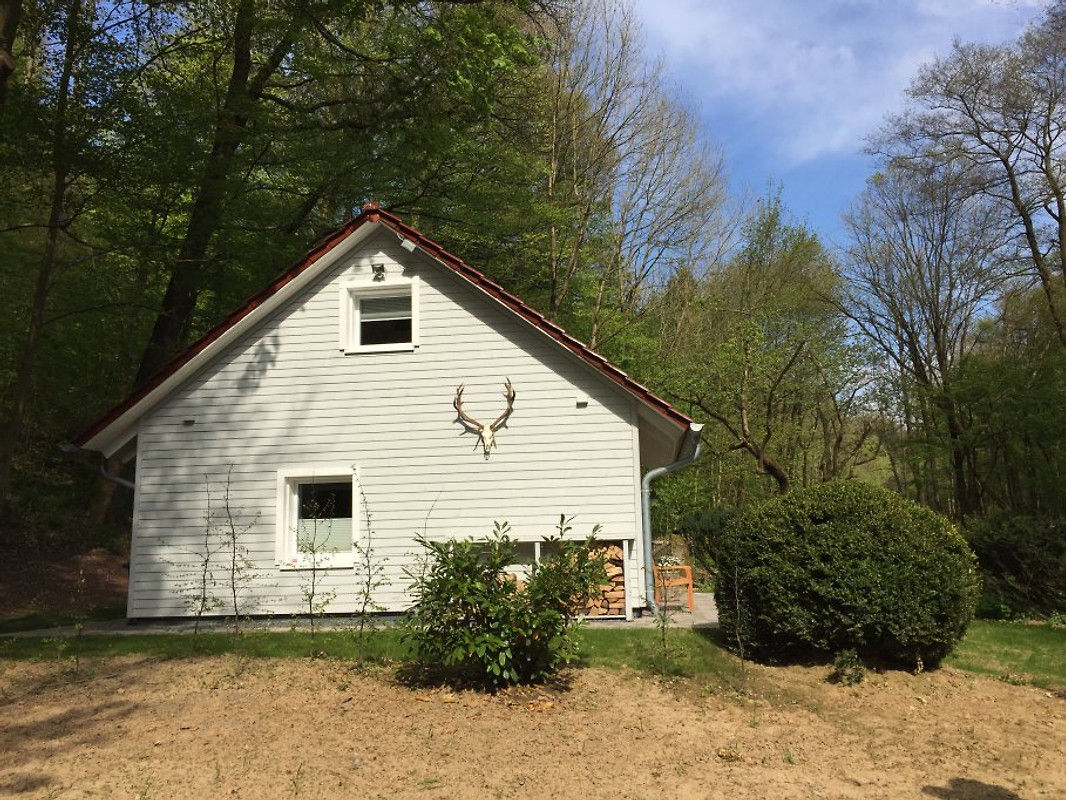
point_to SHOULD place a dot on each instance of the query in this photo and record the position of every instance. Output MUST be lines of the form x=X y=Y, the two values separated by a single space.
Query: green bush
x=845 y=566
x=1023 y=565
x=848 y=669
x=472 y=618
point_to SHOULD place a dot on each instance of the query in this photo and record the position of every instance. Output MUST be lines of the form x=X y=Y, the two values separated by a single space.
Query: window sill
x=307 y=566
x=381 y=348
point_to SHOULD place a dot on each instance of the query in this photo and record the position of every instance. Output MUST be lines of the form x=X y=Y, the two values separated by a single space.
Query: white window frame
x=354 y=291
x=287 y=555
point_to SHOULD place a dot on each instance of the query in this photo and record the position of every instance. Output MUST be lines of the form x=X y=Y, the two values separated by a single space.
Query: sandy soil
x=217 y=727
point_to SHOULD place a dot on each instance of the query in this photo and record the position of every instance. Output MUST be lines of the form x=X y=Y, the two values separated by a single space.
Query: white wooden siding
x=285 y=395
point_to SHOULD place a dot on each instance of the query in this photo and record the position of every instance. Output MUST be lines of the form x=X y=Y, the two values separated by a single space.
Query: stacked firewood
x=612 y=598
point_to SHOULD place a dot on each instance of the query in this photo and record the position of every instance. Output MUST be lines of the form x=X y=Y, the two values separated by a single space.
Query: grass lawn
x=1015 y=652
x=377 y=645
x=37 y=622
x=689 y=652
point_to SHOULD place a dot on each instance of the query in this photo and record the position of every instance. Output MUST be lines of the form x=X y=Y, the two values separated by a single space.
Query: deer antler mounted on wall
x=486 y=433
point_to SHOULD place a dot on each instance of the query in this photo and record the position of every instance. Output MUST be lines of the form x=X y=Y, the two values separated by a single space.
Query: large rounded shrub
x=845 y=566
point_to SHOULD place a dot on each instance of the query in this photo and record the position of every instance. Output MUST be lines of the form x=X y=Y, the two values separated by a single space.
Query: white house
x=328 y=401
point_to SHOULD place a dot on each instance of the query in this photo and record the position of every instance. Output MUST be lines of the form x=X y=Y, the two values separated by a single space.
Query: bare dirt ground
x=138 y=727
x=41 y=582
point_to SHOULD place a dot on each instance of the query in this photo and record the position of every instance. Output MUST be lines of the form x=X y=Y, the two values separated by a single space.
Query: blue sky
x=792 y=88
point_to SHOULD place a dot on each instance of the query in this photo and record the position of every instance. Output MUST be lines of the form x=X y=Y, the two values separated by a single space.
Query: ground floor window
x=316 y=519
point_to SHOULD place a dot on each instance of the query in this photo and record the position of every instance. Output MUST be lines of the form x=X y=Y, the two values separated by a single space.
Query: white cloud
x=812 y=79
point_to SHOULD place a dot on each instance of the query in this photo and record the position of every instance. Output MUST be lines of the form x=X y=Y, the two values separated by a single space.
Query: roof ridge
x=520 y=306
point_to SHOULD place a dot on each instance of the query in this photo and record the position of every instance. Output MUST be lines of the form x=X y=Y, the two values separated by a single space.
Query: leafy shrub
x=473 y=618
x=1023 y=565
x=845 y=566
x=848 y=669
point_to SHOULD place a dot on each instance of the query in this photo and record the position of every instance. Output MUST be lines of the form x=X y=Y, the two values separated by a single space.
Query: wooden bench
x=670 y=577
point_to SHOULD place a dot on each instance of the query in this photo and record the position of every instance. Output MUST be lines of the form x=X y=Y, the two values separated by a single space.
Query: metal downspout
x=645 y=508
x=67 y=447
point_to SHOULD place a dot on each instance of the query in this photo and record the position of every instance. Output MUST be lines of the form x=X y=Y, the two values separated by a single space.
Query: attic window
x=380 y=316
x=385 y=320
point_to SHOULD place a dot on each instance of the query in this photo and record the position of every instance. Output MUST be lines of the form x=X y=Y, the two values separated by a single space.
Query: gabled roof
x=107 y=433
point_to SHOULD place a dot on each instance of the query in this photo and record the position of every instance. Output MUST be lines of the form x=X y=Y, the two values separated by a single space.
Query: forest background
x=162 y=161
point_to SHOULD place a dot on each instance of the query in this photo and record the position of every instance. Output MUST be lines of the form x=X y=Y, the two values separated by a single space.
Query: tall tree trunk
x=61 y=168
x=187 y=279
x=10 y=13
x=172 y=325
x=189 y=274
x=745 y=441
x=967 y=494
x=773 y=469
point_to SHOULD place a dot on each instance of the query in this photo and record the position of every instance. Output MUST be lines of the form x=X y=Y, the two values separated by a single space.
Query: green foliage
x=701 y=531
x=1011 y=391
x=759 y=350
x=848 y=669
x=845 y=566
x=143 y=138
x=1023 y=564
x=470 y=616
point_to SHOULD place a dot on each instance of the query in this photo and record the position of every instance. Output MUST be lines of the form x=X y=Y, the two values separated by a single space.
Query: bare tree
x=923 y=264
x=199 y=589
x=315 y=542
x=998 y=115
x=238 y=566
x=638 y=191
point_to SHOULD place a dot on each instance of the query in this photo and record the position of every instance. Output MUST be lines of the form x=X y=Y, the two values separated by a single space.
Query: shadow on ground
x=967 y=789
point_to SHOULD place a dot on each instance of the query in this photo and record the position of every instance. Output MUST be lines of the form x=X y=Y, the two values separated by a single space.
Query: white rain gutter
x=693 y=432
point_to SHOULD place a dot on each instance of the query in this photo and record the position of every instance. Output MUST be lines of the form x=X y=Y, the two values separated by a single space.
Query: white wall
x=286 y=395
